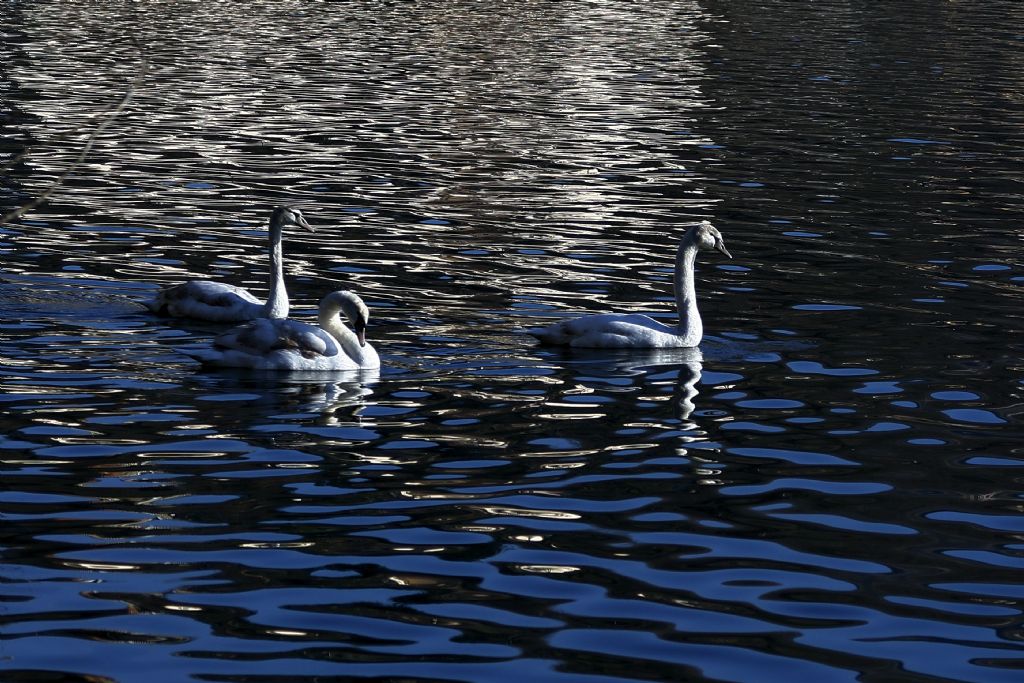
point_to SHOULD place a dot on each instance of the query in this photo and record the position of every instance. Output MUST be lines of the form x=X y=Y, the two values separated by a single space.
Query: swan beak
x=360 y=328
x=720 y=246
x=301 y=221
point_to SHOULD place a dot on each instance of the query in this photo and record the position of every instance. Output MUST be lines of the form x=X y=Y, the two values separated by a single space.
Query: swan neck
x=331 y=322
x=277 y=299
x=690 y=325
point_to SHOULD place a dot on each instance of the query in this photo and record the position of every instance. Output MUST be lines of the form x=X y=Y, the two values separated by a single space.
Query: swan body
x=615 y=331
x=286 y=344
x=634 y=330
x=220 y=302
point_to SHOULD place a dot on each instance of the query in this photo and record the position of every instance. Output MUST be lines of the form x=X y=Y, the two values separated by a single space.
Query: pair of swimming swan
x=271 y=341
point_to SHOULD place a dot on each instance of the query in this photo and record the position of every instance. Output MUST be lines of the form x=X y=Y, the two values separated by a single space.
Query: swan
x=633 y=330
x=219 y=302
x=286 y=344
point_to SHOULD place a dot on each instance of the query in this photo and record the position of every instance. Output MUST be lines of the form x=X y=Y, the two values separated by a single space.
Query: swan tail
x=552 y=335
x=213 y=357
x=157 y=305
x=203 y=354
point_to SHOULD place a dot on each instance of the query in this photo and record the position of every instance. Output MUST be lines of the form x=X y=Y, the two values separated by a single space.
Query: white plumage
x=634 y=330
x=220 y=302
x=286 y=344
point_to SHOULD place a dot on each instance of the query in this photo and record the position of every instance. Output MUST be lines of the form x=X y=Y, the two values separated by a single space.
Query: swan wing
x=266 y=335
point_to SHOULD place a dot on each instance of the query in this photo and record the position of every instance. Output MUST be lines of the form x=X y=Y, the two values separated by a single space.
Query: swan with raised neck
x=634 y=330
x=220 y=302
x=287 y=344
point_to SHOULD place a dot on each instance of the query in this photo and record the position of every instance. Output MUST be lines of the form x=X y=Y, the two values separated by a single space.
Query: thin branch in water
x=140 y=74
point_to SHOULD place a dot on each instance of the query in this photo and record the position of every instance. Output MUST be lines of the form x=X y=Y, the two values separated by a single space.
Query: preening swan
x=219 y=302
x=286 y=344
x=616 y=330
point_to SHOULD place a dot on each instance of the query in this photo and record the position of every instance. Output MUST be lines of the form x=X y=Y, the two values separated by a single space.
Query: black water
x=831 y=490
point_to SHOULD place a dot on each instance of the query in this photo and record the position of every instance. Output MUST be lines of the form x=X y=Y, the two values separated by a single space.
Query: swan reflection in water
x=651 y=363
x=328 y=395
x=688 y=375
x=270 y=393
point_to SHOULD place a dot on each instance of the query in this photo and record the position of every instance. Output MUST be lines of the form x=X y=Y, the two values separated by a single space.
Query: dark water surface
x=830 y=490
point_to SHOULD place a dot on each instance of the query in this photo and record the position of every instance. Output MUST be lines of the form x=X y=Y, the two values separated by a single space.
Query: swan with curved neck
x=286 y=344
x=633 y=330
x=220 y=302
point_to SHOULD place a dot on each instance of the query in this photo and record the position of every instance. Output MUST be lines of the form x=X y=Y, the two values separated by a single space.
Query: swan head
x=708 y=237
x=352 y=307
x=283 y=216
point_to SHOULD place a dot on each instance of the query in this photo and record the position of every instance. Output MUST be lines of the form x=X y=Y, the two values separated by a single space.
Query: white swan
x=618 y=330
x=219 y=302
x=286 y=344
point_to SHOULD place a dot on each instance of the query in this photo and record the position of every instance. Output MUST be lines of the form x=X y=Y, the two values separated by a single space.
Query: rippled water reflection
x=829 y=488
